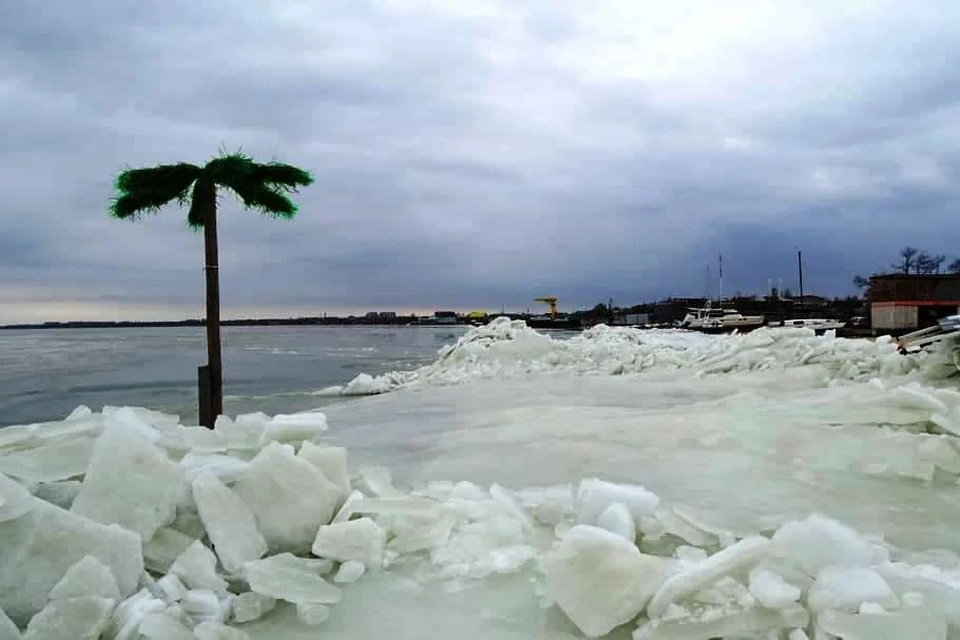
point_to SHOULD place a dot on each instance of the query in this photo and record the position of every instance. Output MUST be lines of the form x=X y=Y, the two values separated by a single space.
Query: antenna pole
x=721 y=279
x=800 y=270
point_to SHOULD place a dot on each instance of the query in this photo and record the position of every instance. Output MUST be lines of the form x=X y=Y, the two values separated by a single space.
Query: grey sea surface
x=45 y=374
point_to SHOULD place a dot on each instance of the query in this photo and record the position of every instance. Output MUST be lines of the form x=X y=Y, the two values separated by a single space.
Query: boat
x=719 y=320
x=945 y=328
x=819 y=325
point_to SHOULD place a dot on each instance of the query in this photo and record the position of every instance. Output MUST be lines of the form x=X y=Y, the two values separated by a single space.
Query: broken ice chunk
x=172 y=588
x=8 y=630
x=197 y=568
x=61 y=493
x=378 y=481
x=845 y=588
x=331 y=461
x=70 y=619
x=600 y=580
x=37 y=549
x=724 y=623
x=15 y=500
x=405 y=506
x=89 y=577
x=293 y=428
x=224 y=467
x=738 y=557
x=229 y=523
x=202 y=605
x=771 y=590
x=202 y=440
x=280 y=577
x=911 y=622
x=617 y=519
x=362 y=540
x=350 y=571
x=160 y=626
x=289 y=497
x=189 y=524
x=818 y=542
x=595 y=495
x=50 y=462
x=130 y=482
x=218 y=631
x=163 y=548
x=411 y=534
x=252 y=606
x=349 y=507
x=127 y=616
x=312 y=614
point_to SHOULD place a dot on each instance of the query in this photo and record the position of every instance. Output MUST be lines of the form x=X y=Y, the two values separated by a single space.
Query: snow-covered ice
x=658 y=484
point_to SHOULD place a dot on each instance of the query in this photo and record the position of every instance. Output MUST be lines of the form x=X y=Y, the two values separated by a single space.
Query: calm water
x=46 y=374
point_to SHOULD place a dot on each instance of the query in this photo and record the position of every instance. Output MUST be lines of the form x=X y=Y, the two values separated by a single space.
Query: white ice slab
x=8 y=630
x=817 y=542
x=739 y=557
x=70 y=619
x=160 y=626
x=130 y=482
x=283 y=578
x=361 y=540
x=87 y=578
x=251 y=606
x=229 y=523
x=600 y=580
x=38 y=548
x=197 y=568
x=289 y=497
x=332 y=461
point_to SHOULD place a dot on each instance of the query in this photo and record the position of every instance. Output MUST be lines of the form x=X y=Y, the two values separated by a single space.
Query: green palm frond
x=266 y=200
x=143 y=191
x=231 y=168
x=281 y=176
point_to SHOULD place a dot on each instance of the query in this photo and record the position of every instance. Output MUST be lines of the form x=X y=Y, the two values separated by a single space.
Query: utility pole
x=800 y=271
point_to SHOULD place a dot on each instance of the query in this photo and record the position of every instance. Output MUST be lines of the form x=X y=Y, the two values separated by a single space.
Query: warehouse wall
x=893 y=317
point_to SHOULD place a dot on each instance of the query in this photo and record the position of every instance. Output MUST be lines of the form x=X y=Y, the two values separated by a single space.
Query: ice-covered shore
x=127 y=524
x=508 y=349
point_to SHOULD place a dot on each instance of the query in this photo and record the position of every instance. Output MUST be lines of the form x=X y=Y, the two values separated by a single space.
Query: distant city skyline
x=473 y=155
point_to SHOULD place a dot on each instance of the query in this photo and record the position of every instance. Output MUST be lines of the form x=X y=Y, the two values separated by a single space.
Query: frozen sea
x=756 y=447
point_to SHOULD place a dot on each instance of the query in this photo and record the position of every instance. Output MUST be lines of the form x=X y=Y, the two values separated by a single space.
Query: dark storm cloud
x=475 y=154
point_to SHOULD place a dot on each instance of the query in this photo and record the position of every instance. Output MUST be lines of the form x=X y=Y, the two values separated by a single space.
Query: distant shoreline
x=250 y=322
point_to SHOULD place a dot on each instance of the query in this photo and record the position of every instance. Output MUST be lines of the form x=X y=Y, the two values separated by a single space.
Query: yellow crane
x=552 y=301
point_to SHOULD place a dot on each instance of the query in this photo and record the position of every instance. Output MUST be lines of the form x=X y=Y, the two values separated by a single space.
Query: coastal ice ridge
x=178 y=532
x=505 y=348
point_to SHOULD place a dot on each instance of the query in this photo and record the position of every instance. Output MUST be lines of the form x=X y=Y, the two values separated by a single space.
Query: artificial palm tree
x=259 y=186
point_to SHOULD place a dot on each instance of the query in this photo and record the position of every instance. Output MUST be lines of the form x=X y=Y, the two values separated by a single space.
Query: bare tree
x=908 y=260
x=860 y=282
x=954 y=267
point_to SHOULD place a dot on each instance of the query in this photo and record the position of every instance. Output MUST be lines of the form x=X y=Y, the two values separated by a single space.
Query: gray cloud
x=473 y=155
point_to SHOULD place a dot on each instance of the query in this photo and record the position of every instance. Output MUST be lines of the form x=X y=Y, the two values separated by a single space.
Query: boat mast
x=721 y=280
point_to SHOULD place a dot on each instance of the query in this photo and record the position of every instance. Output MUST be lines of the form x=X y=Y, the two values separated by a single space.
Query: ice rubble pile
x=506 y=348
x=127 y=525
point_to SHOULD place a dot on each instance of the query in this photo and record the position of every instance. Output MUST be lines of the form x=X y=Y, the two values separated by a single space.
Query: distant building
x=445 y=317
x=810 y=301
x=631 y=319
x=381 y=315
x=900 y=303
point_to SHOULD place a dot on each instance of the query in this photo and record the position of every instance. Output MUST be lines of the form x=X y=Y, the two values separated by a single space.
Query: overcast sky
x=475 y=154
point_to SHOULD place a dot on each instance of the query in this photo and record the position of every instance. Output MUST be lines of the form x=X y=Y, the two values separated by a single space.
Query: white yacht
x=819 y=325
x=719 y=320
